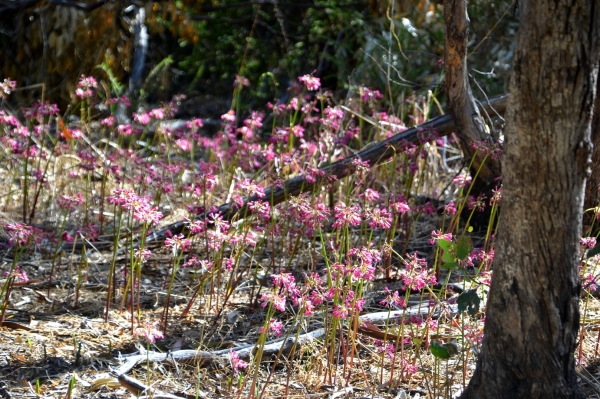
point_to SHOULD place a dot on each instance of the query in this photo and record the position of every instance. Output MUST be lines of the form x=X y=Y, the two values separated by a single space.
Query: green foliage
x=116 y=87
x=455 y=251
x=438 y=350
x=443 y=351
x=468 y=301
x=284 y=40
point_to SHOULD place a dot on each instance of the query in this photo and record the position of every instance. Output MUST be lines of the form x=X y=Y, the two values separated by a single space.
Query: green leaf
x=448 y=257
x=469 y=301
x=463 y=247
x=445 y=244
x=438 y=350
x=449 y=265
x=449 y=248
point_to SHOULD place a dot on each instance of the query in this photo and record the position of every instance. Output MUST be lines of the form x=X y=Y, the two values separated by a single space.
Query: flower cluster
x=311 y=83
x=7 y=87
x=416 y=276
x=85 y=86
x=150 y=332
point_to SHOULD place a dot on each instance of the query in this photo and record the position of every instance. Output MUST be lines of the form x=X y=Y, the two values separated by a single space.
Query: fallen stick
x=442 y=125
x=274 y=347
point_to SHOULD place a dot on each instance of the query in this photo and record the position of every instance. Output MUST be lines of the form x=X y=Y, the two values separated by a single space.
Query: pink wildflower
x=18 y=275
x=142 y=119
x=311 y=83
x=229 y=116
x=450 y=209
x=125 y=130
x=438 y=235
x=340 y=312
x=85 y=86
x=346 y=215
x=7 y=87
x=476 y=203
x=240 y=81
x=19 y=233
x=393 y=300
x=261 y=208
x=462 y=180
x=143 y=255
x=380 y=218
x=236 y=363
x=588 y=242
x=250 y=188
x=69 y=203
x=278 y=301
x=416 y=276
x=297 y=131
x=108 y=121
x=370 y=195
x=194 y=124
x=157 y=113
x=367 y=94
x=184 y=144
x=149 y=331
x=178 y=242
x=276 y=327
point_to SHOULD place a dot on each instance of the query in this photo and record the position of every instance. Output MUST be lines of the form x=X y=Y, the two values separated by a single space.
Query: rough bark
x=470 y=126
x=532 y=315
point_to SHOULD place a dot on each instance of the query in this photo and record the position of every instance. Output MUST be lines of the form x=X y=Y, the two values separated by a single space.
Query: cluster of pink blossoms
x=348 y=307
x=19 y=233
x=85 y=86
x=311 y=83
x=7 y=87
x=18 y=275
x=346 y=215
x=393 y=299
x=416 y=276
x=236 y=363
x=69 y=203
x=177 y=243
x=150 y=332
x=141 y=208
x=367 y=94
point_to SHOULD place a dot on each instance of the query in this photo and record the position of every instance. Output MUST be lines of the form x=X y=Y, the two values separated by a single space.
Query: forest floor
x=55 y=343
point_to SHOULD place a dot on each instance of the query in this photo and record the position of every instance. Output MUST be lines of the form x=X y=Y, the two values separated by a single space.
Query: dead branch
x=442 y=125
x=274 y=347
x=461 y=104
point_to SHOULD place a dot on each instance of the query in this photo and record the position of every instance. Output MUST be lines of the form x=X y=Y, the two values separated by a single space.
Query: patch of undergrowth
x=383 y=268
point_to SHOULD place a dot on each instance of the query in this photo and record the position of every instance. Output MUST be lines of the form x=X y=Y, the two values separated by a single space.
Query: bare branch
x=461 y=104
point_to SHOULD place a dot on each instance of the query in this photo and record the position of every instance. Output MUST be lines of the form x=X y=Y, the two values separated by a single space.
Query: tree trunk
x=532 y=315
x=470 y=126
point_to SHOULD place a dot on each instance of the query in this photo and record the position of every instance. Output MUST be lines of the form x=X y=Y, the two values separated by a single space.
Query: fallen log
x=442 y=125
